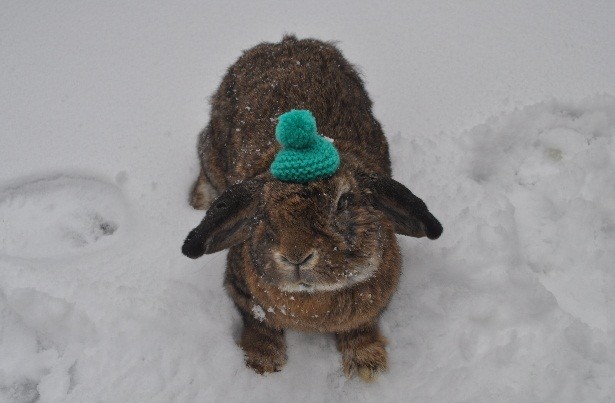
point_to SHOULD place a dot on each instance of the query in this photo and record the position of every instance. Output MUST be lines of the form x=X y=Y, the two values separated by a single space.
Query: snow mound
x=40 y=337
x=59 y=216
x=555 y=162
x=514 y=302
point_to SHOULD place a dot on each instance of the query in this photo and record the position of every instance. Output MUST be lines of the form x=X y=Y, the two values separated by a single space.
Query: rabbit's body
x=319 y=256
x=271 y=79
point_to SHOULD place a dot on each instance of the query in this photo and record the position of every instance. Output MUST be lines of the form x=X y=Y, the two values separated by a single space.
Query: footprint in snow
x=59 y=216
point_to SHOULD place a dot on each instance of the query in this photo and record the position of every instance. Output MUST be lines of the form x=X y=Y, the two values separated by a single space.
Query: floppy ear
x=408 y=212
x=227 y=221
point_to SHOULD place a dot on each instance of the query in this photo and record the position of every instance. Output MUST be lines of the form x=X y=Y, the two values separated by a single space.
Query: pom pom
x=296 y=129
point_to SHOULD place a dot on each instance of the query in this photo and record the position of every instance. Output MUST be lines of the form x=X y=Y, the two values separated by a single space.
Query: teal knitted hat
x=305 y=156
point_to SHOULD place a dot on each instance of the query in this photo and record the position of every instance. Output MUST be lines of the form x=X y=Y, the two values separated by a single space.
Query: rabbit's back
x=271 y=79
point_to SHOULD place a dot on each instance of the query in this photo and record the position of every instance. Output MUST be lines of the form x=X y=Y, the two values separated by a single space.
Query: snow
x=259 y=313
x=500 y=116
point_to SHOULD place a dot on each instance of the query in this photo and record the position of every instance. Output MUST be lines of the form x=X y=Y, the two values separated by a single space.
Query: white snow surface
x=500 y=115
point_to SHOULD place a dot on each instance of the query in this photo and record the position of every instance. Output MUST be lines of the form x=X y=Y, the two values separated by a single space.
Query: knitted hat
x=305 y=156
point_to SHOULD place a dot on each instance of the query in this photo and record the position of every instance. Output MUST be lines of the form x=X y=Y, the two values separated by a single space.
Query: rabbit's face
x=322 y=236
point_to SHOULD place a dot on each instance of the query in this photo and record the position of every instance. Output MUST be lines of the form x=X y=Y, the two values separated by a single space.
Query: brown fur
x=318 y=257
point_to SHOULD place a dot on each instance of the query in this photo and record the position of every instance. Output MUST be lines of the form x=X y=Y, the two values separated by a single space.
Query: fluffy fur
x=320 y=256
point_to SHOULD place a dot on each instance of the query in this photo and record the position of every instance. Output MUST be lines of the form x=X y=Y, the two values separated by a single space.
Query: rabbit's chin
x=353 y=276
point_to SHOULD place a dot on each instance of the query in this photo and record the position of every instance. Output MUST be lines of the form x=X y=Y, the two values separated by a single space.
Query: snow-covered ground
x=500 y=115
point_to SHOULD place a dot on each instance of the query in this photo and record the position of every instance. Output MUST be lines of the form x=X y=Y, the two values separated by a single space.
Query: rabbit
x=320 y=256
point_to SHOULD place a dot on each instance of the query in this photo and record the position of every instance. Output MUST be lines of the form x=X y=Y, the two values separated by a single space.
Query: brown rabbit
x=320 y=256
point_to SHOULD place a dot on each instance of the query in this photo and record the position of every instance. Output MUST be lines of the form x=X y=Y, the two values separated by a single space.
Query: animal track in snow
x=59 y=216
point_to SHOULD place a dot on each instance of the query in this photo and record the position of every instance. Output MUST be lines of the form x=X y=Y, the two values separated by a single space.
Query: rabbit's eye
x=344 y=201
x=269 y=235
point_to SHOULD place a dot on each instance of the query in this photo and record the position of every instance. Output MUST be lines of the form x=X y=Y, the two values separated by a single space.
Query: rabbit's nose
x=298 y=259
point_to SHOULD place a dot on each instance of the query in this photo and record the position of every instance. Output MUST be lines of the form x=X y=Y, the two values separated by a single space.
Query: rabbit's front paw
x=366 y=361
x=264 y=348
x=265 y=361
x=363 y=352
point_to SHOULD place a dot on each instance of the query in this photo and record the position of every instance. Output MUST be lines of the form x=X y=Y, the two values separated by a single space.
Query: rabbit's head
x=324 y=235
x=312 y=223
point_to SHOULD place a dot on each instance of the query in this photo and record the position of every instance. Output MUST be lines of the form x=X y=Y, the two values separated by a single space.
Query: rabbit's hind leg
x=203 y=194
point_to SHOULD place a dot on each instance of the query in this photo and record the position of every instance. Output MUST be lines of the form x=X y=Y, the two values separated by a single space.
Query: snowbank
x=513 y=303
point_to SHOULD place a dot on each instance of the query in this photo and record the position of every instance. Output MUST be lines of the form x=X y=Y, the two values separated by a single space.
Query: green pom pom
x=305 y=156
x=296 y=129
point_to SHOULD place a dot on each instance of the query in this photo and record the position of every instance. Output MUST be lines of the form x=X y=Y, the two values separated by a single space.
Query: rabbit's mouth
x=349 y=278
x=306 y=287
